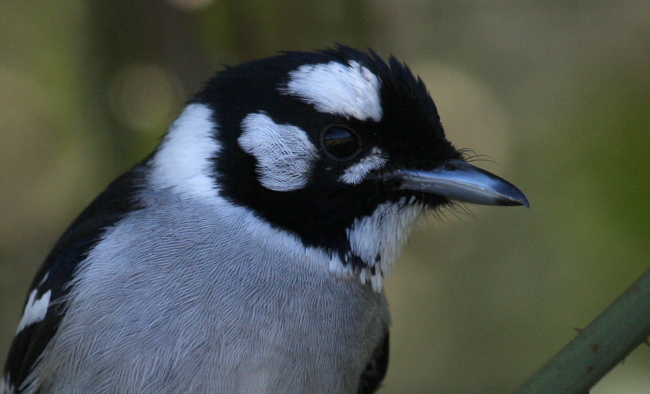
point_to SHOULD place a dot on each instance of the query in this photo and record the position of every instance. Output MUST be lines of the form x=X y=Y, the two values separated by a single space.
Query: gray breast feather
x=174 y=299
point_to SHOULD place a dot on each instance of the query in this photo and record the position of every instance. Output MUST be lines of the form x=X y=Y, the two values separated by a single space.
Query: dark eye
x=340 y=142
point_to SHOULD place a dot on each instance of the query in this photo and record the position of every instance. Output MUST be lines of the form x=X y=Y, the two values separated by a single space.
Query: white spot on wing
x=35 y=310
x=357 y=172
x=183 y=161
x=349 y=90
x=5 y=385
x=47 y=275
x=284 y=153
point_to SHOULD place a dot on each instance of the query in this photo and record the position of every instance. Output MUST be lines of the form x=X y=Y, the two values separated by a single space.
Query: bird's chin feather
x=377 y=239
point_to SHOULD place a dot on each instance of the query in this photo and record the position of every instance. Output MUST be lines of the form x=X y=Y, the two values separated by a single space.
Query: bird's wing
x=375 y=371
x=46 y=301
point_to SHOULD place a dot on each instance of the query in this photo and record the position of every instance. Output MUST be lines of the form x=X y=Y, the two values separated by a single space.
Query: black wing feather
x=375 y=371
x=55 y=274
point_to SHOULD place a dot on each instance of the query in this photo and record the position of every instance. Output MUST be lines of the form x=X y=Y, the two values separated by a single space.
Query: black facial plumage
x=409 y=133
x=338 y=148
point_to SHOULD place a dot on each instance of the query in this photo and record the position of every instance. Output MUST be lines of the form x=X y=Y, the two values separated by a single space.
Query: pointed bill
x=460 y=181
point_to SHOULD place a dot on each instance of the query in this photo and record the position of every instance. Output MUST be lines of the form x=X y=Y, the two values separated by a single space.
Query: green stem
x=599 y=347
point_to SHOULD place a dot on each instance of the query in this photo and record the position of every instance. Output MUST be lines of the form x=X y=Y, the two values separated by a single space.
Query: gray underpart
x=178 y=298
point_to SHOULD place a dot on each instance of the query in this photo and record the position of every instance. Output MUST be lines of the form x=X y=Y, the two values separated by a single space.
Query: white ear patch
x=351 y=91
x=182 y=161
x=357 y=172
x=284 y=153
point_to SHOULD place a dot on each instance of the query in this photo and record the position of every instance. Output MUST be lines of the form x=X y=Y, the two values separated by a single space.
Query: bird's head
x=337 y=147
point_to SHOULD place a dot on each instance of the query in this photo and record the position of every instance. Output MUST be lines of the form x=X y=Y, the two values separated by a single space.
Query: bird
x=248 y=252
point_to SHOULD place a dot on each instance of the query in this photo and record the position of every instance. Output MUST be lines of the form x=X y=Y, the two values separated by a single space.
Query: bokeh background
x=556 y=94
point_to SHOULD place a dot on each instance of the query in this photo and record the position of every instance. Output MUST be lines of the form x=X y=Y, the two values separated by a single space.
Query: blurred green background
x=556 y=93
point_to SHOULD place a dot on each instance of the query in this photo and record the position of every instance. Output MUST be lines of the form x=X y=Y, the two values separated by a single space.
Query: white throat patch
x=377 y=239
x=284 y=153
x=334 y=88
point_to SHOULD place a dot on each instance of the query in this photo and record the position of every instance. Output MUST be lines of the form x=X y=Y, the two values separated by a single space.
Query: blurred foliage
x=554 y=92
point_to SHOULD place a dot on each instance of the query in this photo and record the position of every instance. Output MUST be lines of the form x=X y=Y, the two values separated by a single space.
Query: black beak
x=460 y=181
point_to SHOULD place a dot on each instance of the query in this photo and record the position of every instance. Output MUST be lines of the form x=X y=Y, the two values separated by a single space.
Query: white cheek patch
x=183 y=161
x=349 y=90
x=284 y=153
x=358 y=171
x=35 y=310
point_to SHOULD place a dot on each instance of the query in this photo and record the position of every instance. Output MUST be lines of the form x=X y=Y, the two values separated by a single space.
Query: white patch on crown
x=284 y=153
x=357 y=172
x=182 y=161
x=377 y=239
x=349 y=90
x=35 y=310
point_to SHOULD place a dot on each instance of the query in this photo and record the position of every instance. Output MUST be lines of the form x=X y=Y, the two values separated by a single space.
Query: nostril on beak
x=450 y=167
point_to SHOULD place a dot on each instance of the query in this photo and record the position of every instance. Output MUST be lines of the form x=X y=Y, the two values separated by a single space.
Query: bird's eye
x=340 y=142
